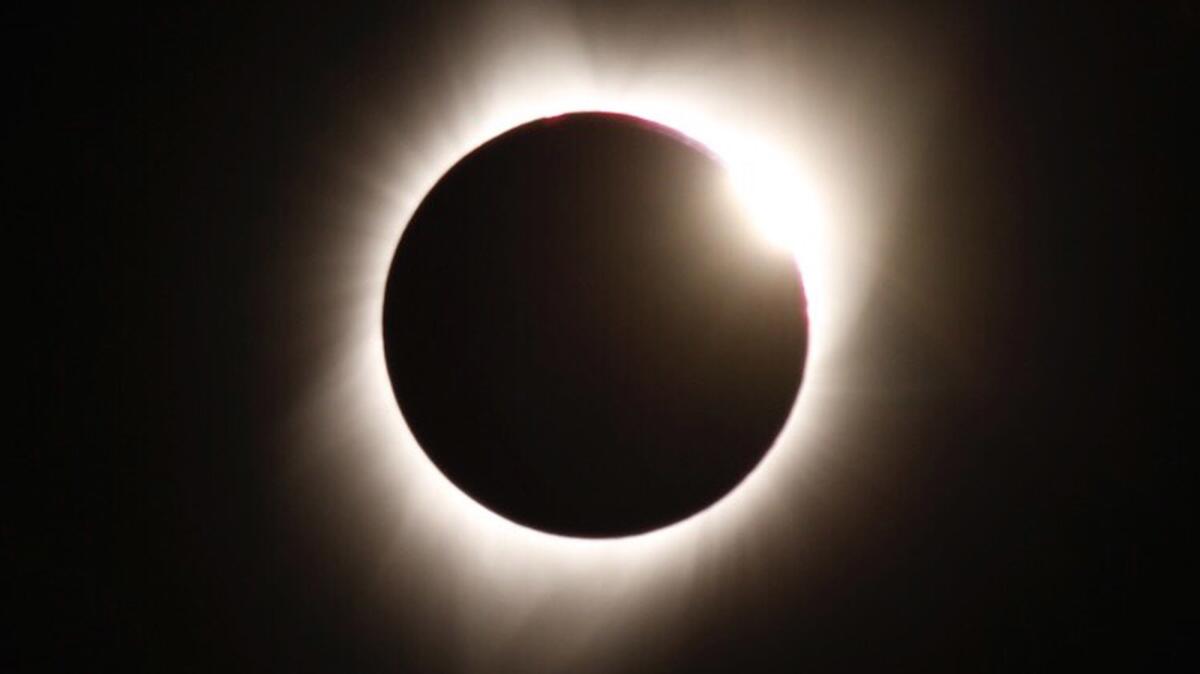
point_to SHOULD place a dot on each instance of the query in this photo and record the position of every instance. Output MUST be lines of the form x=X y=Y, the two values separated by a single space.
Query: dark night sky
x=1017 y=502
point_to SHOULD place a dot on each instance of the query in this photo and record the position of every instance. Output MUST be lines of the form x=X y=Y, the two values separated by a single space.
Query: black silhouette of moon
x=585 y=334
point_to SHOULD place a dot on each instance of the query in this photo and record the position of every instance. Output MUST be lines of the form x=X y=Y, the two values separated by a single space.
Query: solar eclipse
x=846 y=341
x=798 y=185
x=586 y=334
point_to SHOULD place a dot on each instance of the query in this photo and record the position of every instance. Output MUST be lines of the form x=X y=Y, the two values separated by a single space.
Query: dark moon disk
x=584 y=332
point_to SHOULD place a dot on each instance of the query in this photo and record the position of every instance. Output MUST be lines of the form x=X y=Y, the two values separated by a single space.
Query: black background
x=1024 y=507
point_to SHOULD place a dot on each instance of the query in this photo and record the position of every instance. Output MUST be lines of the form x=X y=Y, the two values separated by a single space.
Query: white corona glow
x=809 y=178
x=506 y=568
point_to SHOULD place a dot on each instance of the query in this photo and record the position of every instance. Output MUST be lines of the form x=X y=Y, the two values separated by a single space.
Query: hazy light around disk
x=775 y=190
x=774 y=193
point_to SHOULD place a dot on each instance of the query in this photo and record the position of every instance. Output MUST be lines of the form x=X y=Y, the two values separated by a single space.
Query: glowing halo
x=524 y=562
x=481 y=583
